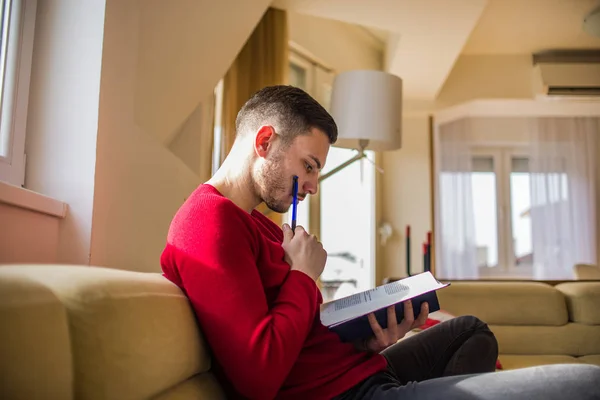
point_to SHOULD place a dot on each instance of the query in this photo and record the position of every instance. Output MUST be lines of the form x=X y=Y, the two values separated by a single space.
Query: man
x=252 y=286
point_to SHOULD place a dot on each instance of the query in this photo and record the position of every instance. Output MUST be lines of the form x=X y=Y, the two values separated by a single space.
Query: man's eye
x=309 y=167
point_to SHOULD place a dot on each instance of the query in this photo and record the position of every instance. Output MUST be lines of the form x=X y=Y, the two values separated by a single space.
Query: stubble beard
x=272 y=185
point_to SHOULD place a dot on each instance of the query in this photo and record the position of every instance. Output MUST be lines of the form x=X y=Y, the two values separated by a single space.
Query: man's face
x=304 y=157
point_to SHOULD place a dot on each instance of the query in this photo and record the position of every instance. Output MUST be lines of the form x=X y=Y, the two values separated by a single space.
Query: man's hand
x=383 y=338
x=303 y=251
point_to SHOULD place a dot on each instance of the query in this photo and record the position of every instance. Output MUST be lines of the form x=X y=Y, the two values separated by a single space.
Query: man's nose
x=311 y=187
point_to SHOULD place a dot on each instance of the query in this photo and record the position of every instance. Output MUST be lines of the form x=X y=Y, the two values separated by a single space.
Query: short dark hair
x=290 y=109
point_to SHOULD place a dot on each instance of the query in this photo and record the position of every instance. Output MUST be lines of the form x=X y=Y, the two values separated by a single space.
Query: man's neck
x=234 y=182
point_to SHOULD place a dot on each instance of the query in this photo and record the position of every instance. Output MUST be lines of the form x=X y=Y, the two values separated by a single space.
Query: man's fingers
x=409 y=316
x=376 y=328
x=300 y=230
x=288 y=234
x=422 y=315
x=392 y=323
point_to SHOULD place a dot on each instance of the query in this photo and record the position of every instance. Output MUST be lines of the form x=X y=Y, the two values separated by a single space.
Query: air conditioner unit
x=566 y=79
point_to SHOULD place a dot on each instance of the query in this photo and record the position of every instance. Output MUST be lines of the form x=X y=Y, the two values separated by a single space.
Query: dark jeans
x=462 y=345
x=455 y=359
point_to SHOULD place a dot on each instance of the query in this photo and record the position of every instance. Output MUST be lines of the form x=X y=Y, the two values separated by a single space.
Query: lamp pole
x=362 y=143
x=361 y=154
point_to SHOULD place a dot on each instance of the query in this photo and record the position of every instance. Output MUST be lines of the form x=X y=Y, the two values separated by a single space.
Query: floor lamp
x=367 y=108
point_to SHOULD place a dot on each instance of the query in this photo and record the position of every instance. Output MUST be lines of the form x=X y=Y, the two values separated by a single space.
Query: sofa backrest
x=583 y=301
x=506 y=303
x=78 y=332
x=532 y=317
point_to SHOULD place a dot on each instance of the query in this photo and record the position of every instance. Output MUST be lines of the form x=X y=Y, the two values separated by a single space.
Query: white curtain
x=563 y=194
x=455 y=230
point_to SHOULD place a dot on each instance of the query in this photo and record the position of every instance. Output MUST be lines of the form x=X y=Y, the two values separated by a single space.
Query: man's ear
x=263 y=141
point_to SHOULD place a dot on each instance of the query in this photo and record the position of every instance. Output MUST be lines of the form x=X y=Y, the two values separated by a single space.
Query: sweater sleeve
x=256 y=346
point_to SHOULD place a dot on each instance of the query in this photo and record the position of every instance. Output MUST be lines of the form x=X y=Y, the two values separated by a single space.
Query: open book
x=348 y=316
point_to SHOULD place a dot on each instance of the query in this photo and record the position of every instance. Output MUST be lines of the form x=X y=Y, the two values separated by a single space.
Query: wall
x=27 y=236
x=500 y=130
x=406 y=196
x=182 y=52
x=193 y=143
x=141 y=183
x=340 y=45
x=62 y=123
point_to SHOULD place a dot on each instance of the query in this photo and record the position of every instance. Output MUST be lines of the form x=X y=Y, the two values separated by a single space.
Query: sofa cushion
x=572 y=339
x=515 y=361
x=506 y=303
x=583 y=301
x=133 y=335
x=35 y=352
x=591 y=359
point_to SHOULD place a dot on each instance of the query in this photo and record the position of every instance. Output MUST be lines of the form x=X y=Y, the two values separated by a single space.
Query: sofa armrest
x=583 y=301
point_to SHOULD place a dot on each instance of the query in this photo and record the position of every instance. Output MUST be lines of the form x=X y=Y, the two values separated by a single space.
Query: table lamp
x=367 y=108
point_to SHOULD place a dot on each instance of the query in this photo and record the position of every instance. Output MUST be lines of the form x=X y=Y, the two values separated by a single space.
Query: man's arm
x=255 y=345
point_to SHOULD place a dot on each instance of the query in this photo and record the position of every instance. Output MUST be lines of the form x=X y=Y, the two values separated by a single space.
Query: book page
x=337 y=311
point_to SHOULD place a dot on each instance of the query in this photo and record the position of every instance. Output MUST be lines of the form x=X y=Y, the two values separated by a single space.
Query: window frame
x=307 y=66
x=15 y=89
x=502 y=160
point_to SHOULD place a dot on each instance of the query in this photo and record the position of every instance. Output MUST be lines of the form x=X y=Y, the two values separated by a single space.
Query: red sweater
x=260 y=319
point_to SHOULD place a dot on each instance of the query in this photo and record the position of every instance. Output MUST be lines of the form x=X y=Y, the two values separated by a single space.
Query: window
x=17 y=29
x=501 y=203
x=515 y=196
x=298 y=74
x=348 y=225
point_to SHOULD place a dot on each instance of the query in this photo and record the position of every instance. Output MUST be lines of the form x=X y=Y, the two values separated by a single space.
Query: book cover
x=348 y=316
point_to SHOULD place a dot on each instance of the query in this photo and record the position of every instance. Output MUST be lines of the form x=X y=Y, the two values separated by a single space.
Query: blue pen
x=294 y=203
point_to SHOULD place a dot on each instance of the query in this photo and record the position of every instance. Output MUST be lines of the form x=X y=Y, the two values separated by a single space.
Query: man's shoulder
x=205 y=211
x=206 y=200
x=206 y=224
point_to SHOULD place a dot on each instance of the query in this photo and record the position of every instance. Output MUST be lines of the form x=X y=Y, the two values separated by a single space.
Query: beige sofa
x=94 y=333
x=535 y=323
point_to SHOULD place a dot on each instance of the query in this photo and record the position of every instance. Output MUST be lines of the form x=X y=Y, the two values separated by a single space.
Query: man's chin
x=278 y=208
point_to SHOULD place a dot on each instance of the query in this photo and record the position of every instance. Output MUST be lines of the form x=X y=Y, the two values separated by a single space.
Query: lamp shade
x=367 y=108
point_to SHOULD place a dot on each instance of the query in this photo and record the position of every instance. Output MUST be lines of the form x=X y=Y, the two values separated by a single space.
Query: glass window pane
x=520 y=205
x=346 y=226
x=297 y=76
x=485 y=211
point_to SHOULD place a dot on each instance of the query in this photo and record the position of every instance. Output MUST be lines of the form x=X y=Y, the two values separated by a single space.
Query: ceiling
x=530 y=26
x=426 y=37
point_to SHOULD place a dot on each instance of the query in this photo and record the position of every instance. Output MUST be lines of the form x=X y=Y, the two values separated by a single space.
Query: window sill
x=29 y=200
